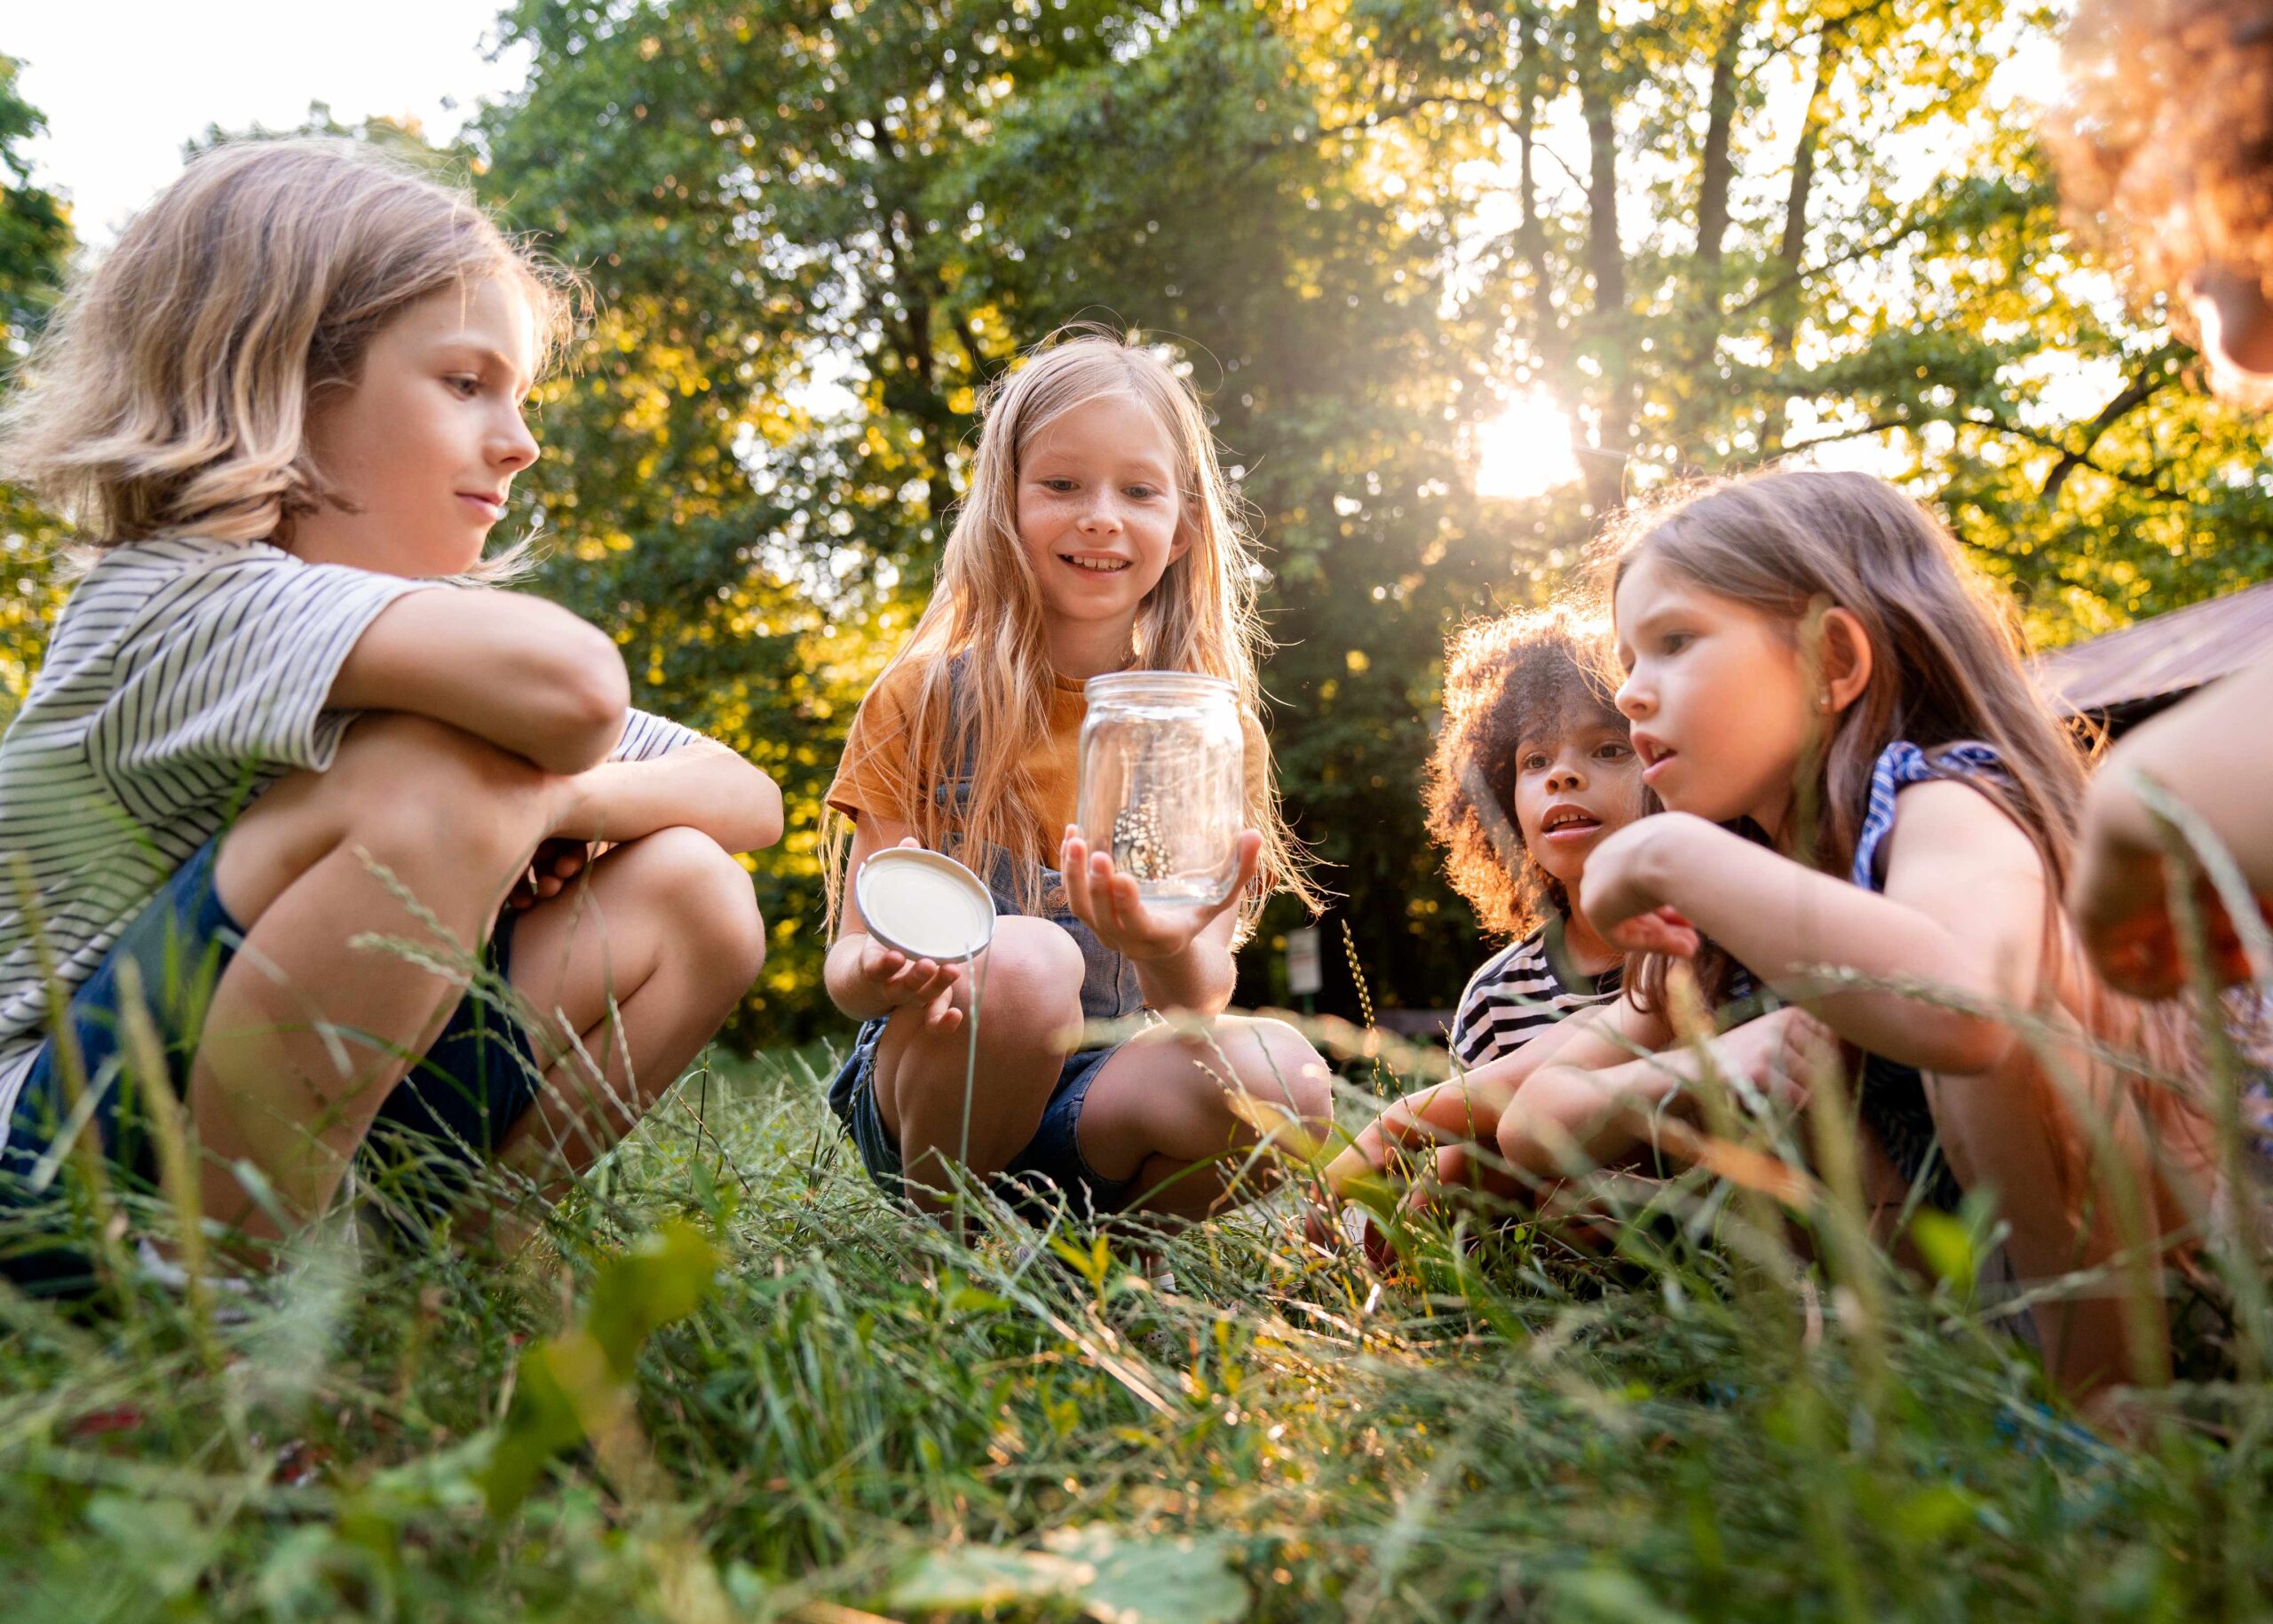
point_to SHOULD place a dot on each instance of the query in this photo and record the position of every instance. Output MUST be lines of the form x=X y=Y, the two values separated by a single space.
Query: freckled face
x=1574 y=785
x=1098 y=511
x=1720 y=700
x=421 y=450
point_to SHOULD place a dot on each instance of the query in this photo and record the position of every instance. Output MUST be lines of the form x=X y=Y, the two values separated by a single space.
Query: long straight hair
x=985 y=615
x=1948 y=666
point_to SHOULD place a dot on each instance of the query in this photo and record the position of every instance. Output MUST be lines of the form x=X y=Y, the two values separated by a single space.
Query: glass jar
x=1164 y=782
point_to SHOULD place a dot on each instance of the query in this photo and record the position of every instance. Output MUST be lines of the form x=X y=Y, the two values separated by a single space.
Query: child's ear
x=1844 y=656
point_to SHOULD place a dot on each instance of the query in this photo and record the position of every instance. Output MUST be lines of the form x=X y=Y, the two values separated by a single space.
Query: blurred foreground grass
x=858 y=1417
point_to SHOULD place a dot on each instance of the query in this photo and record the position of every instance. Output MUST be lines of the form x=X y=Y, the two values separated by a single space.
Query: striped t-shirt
x=184 y=675
x=1520 y=991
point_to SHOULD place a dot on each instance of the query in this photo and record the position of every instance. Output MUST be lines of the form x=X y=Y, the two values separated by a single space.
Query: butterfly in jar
x=1139 y=845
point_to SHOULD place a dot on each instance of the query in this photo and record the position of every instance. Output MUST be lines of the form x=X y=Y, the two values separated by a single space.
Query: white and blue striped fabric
x=1899 y=765
x=183 y=676
x=1514 y=996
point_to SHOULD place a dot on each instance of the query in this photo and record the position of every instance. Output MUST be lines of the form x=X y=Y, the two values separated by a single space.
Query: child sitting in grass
x=276 y=726
x=1532 y=770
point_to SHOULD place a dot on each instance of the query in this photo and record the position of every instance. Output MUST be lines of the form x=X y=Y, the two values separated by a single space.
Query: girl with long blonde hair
x=1097 y=536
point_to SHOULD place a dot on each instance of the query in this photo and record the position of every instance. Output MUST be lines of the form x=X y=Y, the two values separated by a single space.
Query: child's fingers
x=1074 y=864
x=882 y=965
x=939 y=1011
x=1104 y=895
x=1250 y=849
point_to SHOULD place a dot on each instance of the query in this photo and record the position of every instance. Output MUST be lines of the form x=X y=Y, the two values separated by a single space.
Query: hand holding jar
x=1111 y=902
x=1161 y=846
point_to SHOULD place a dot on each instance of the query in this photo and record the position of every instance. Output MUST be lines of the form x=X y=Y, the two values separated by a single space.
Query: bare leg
x=308 y=1033
x=932 y=1096
x=1165 y=1109
x=641 y=961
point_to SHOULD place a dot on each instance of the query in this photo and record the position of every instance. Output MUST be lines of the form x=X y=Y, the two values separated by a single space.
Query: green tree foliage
x=1714 y=234
x=1735 y=231
x=879 y=205
x=34 y=245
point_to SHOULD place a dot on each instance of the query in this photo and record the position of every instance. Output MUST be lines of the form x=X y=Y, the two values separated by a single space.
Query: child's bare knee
x=1032 y=976
x=1283 y=1068
x=711 y=903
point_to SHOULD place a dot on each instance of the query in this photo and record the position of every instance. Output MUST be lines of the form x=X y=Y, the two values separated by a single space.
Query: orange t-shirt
x=874 y=775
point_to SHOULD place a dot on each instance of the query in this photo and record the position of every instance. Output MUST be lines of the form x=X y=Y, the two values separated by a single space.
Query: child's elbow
x=587 y=696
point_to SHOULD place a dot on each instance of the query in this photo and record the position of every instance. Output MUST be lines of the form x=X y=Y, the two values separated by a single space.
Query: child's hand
x=1622 y=891
x=559 y=859
x=2122 y=908
x=1107 y=900
x=893 y=980
x=1781 y=1053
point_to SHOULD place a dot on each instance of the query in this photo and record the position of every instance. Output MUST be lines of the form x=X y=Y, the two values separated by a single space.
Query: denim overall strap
x=1110 y=990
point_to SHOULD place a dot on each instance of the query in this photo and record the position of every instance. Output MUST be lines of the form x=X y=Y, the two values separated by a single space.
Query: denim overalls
x=1110 y=992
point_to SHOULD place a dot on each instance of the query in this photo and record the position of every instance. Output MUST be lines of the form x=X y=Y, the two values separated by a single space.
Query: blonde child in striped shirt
x=284 y=413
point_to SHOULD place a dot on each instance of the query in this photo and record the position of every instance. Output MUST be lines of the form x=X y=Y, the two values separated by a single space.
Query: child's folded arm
x=525 y=675
x=1963 y=910
x=703 y=785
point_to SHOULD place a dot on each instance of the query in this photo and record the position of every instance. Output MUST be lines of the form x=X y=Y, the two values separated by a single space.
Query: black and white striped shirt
x=1522 y=990
x=184 y=675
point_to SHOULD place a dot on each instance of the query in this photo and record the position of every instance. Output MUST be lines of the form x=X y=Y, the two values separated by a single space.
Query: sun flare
x=1525 y=451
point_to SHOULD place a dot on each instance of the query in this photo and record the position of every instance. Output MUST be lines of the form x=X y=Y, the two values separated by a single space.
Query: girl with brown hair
x=1871 y=812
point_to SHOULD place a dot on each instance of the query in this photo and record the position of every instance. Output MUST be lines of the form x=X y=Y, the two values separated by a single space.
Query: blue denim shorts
x=1049 y=1166
x=453 y=1109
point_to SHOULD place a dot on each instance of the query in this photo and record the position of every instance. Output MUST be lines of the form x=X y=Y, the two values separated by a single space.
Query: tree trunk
x=1793 y=248
x=1605 y=467
x=1717 y=172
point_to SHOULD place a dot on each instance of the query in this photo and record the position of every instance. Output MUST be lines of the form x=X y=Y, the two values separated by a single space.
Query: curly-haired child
x=1533 y=771
x=1533 y=768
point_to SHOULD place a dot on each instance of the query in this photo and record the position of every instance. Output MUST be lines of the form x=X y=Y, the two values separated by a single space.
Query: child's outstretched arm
x=1964 y=909
x=1467 y=1108
x=2200 y=752
x=1568 y=1118
x=520 y=673
x=1182 y=955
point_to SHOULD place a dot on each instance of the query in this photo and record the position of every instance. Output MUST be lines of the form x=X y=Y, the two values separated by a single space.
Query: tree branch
x=2134 y=394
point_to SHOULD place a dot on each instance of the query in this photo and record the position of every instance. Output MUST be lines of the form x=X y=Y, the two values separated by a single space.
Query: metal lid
x=924 y=905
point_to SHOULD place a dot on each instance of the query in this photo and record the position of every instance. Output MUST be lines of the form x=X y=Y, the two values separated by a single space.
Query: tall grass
x=864 y=1415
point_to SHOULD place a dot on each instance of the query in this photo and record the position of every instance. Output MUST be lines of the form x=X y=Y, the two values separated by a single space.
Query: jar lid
x=924 y=905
